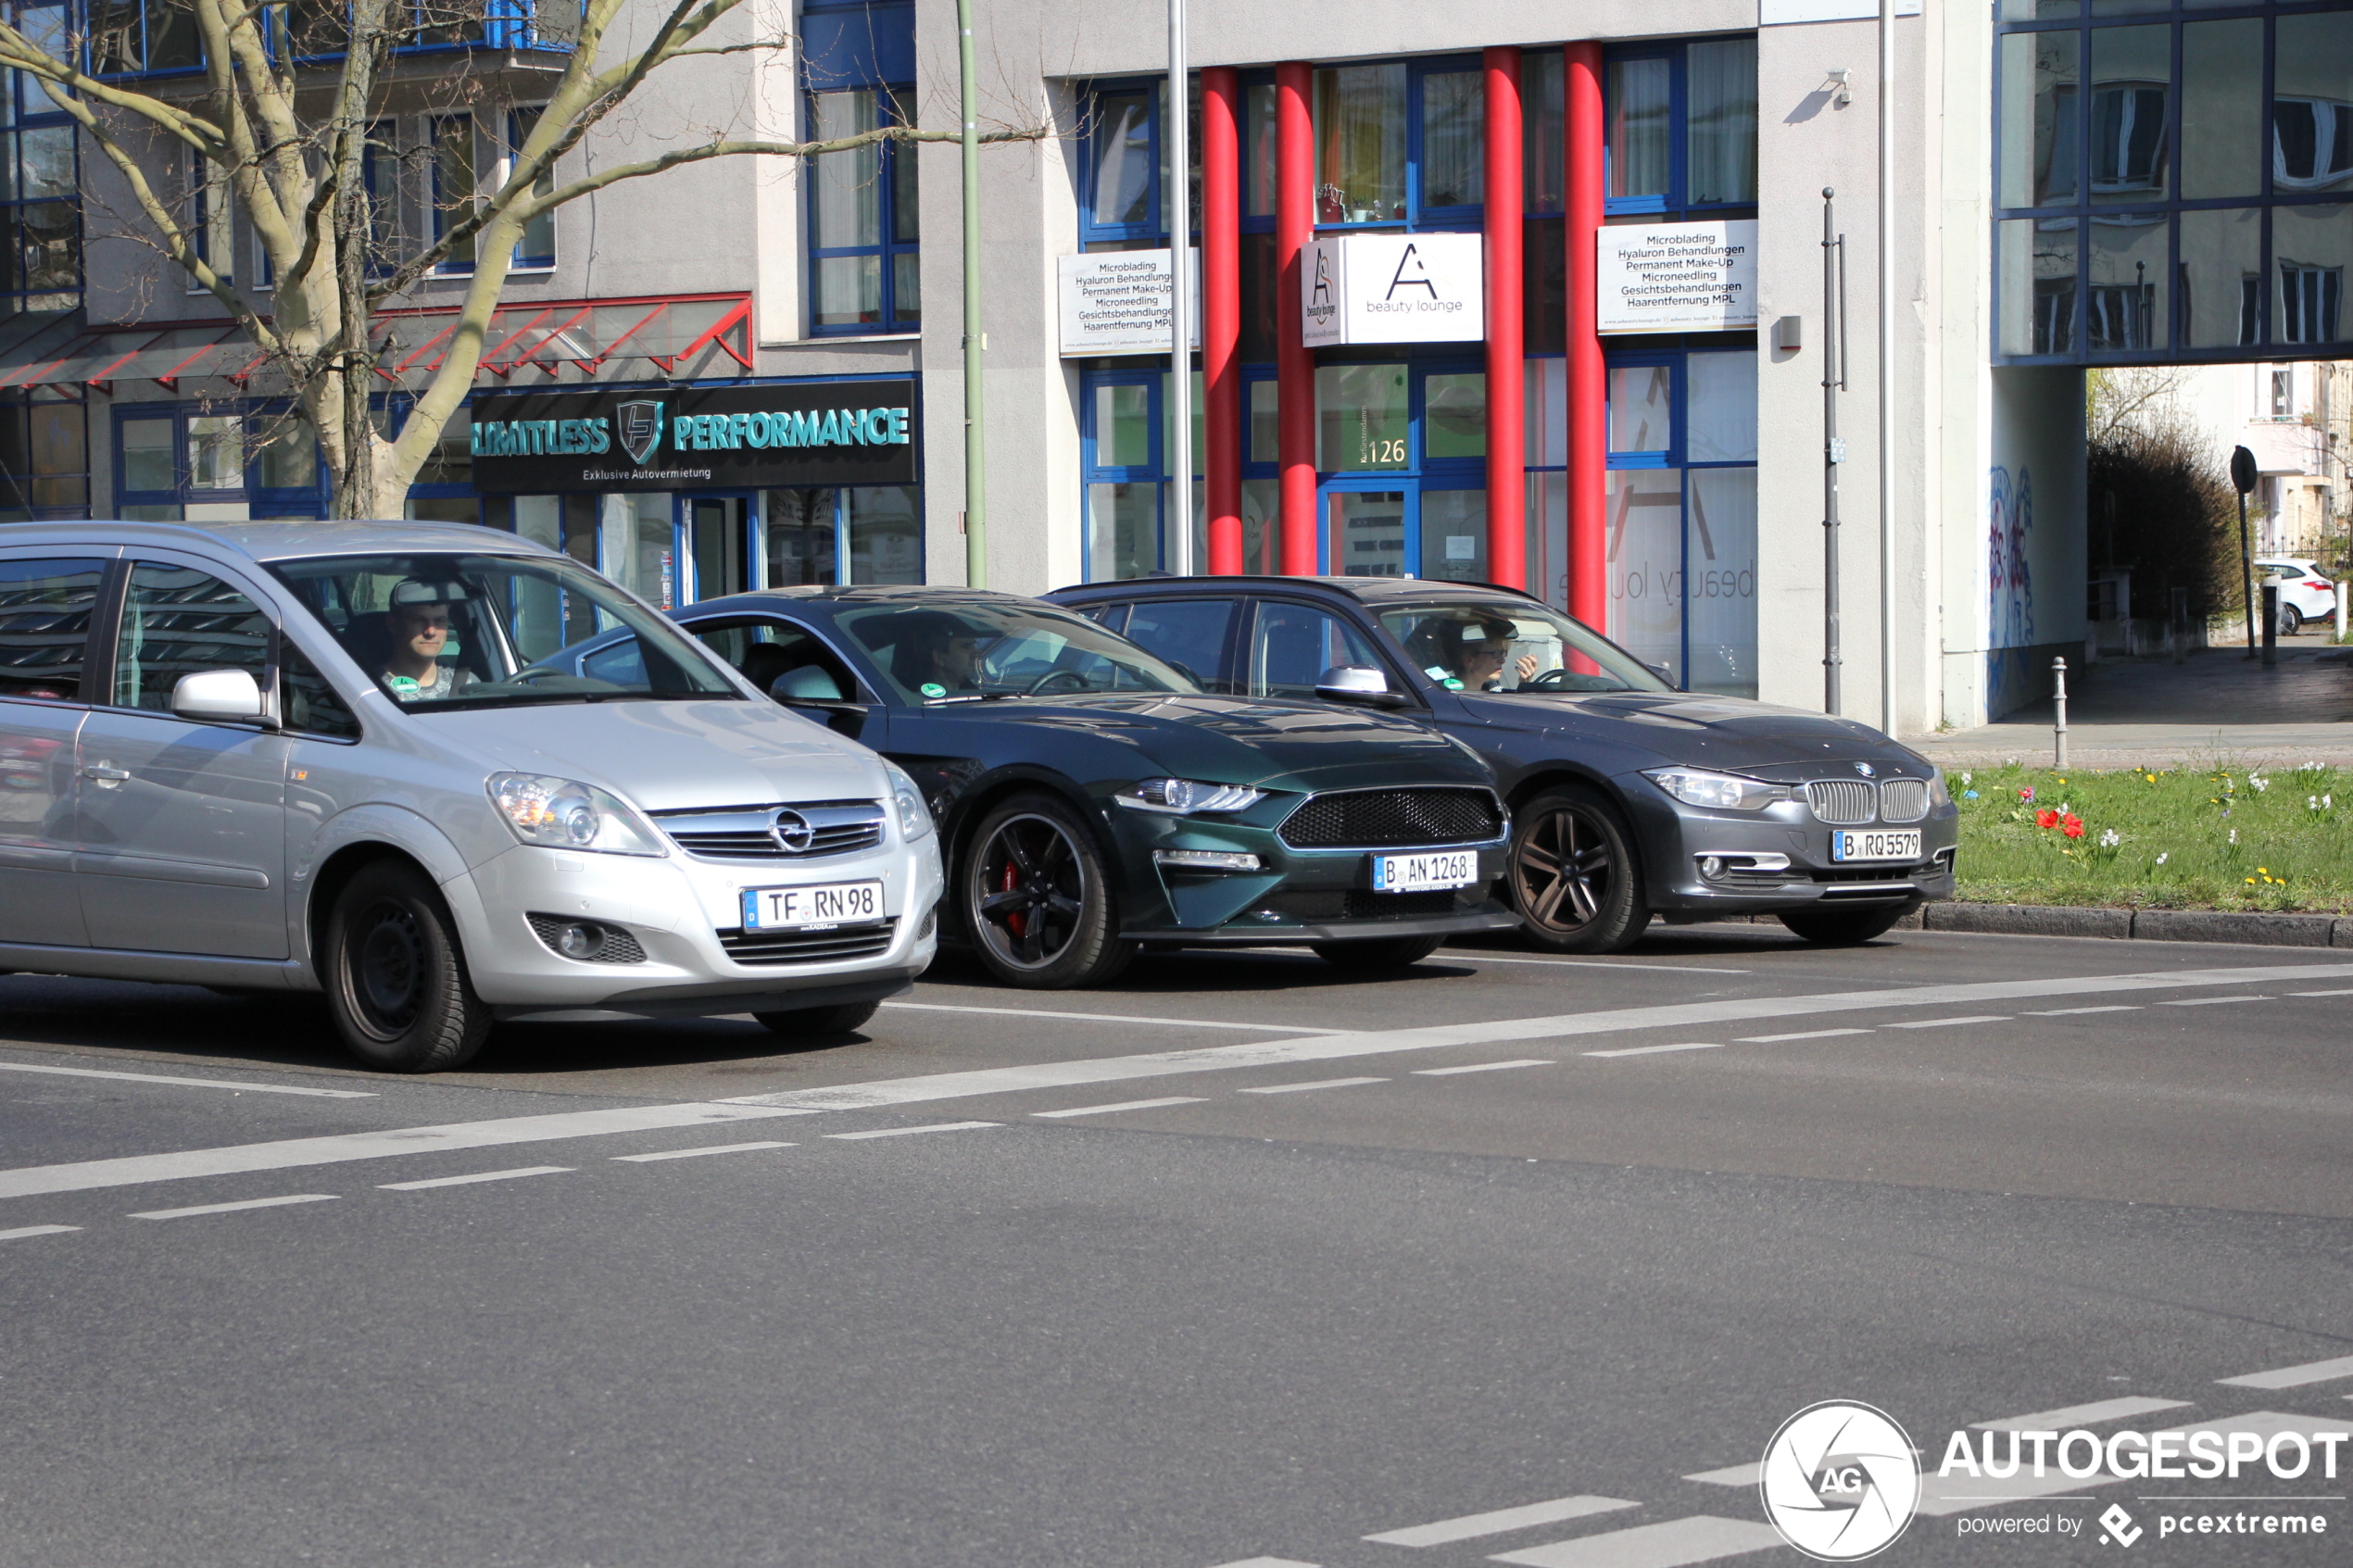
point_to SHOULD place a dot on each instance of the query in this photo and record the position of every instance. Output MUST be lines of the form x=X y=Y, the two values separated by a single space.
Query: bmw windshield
x=1488 y=644
x=972 y=652
x=451 y=630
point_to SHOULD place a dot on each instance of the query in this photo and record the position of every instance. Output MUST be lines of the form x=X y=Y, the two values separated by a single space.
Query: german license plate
x=1424 y=874
x=1876 y=846
x=812 y=906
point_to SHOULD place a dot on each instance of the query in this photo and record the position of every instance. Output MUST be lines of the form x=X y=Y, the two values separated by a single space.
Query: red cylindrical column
x=1506 y=353
x=1294 y=362
x=1221 y=313
x=1588 y=381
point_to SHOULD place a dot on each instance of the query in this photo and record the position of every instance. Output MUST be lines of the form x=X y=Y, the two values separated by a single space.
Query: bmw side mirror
x=229 y=696
x=1359 y=683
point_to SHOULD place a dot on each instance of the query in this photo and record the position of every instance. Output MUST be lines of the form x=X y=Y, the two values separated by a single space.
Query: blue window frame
x=864 y=261
x=127 y=38
x=454 y=185
x=171 y=455
x=44 y=454
x=536 y=248
x=40 y=184
x=1124 y=467
x=1680 y=126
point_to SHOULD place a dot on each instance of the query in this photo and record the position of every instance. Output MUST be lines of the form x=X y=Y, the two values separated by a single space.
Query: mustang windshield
x=449 y=630
x=1490 y=644
x=968 y=652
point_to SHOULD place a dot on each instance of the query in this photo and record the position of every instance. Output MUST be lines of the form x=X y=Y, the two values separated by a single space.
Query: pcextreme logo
x=1840 y=1481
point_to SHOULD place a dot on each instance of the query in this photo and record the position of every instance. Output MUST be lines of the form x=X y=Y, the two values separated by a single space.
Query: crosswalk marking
x=2320 y=992
x=1121 y=1105
x=1654 y=1050
x=1732 y=1475
x=473 y=1176
x=1266 y=1562
x=1318 y=1084
x=907 y=1132
x=2211 y=1001
x=1801 y=1034
x=187 y=1082
x=2080 y=1415
x=2070 y=1012
x=1109 y=1017
x=1941 y=1022
x=1703 y=1538
x=36 y=1230
x=706 y=1149
x=192 y=1212
x=1475 y=1067
x=2293 y=1376
x=1471 y=1526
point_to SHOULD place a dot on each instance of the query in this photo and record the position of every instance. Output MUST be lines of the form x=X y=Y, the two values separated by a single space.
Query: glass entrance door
x=715 y=540
x=1366 y=532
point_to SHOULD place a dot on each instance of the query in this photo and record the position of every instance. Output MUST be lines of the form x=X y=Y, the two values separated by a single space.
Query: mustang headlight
x=1724 y=791
x=566 y=814
x=914 y=817
x=1183 y=797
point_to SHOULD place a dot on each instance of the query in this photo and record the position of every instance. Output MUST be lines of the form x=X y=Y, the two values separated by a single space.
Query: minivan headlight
x=1182 y=798
x=566 y=814
x=1724 y=791
x=914 y=817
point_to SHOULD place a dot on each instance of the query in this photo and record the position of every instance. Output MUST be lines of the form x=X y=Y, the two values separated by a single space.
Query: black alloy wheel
x=395 y=975
x=1575 y=878
x=1846 y=927
x=1036 y=898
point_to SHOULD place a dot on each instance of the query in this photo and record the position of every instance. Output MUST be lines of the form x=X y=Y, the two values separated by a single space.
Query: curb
x=2146 y=925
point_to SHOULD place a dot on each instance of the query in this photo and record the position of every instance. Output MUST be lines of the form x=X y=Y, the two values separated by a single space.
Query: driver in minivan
x=419 y=620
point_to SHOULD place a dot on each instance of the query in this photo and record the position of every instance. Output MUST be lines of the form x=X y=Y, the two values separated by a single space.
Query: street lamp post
x=1180 y=298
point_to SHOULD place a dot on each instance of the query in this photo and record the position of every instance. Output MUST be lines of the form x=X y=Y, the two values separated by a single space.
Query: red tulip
x=2046 y=819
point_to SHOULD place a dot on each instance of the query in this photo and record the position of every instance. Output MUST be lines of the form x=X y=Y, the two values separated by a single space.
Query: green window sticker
x=933 y=688
x=403 y=687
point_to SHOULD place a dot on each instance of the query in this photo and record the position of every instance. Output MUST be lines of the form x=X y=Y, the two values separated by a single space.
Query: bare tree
x=282 y=123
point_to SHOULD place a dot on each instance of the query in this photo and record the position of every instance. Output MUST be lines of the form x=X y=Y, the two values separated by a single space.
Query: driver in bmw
x=1471 y=649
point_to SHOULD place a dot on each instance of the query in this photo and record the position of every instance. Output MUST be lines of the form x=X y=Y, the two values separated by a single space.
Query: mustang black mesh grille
x=1393 y=819
x=807 y=946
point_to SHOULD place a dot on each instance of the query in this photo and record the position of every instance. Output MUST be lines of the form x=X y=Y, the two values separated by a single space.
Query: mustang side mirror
x=228 y=695
x=1359 y=683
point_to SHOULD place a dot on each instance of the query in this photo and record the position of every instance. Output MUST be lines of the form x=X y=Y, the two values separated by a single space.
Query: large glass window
x=40 y=184
x=45 y=626
x=177 y=620
x=864 y=262
x=262 y=456
x=454 y=187
x=1680 y=126
x=1360 y=144
x=44 y=457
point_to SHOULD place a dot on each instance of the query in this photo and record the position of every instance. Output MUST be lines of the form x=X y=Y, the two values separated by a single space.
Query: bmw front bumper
x=1702 y=863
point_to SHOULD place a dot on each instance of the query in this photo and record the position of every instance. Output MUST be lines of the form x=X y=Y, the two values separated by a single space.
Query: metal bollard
x=2341 y=587
x=2270 y=624
x=2059 y=713
x=2180 y=625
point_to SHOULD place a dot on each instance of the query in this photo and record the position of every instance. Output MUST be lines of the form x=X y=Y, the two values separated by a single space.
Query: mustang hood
x=663 y=755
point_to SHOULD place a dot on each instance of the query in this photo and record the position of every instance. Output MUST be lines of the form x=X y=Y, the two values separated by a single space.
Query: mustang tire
x=1036 y=899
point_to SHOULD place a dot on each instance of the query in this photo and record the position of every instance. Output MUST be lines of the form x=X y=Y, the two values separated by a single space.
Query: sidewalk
x=2152 y=711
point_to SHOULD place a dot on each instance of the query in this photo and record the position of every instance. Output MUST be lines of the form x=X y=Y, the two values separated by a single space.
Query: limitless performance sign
x=720 y=438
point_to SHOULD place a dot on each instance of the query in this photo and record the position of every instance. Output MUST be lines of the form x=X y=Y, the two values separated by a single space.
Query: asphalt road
x=1241 y=1260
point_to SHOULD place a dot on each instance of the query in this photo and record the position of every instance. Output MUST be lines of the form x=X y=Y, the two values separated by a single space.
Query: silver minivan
x=337 y=757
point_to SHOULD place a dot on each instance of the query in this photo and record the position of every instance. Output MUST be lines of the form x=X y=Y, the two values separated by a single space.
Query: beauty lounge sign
x=1394 y=288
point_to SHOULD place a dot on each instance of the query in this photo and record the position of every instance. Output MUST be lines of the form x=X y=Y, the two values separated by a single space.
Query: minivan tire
x=839 y=1018
x=1033 y=851
x=395 y=975
x=1379 y=952
x=1576 y=876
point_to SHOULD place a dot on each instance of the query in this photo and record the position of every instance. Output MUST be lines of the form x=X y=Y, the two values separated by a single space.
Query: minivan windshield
x=972 y=651
x=1515 y=646
x=450 y=629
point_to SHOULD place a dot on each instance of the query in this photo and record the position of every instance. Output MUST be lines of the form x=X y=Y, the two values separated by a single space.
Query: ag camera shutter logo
x=1840 y=1481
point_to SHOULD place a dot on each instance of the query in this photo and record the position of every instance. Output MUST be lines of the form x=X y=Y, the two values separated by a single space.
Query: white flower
x=2110 y=839
x=2234 y=835
x=2312 y=803
x=2260 y=784
x=2164 y=857
x=1965 y=776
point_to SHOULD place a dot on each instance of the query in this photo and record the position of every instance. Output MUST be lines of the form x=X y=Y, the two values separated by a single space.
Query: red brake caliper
x=1017 y=923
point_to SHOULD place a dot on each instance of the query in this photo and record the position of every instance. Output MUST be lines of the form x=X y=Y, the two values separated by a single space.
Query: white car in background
x=2305 y=594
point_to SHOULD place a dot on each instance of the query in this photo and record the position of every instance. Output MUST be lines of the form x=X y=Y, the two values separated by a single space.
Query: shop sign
x=686 y=438
x=1116 y=302
x=1776 y=13
x=1394 y=288
x=1678 y=277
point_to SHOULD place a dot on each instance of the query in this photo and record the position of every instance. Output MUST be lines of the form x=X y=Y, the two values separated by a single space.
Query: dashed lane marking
x=470 y=1178
x=1266 y=1562
x=1450 y=957
x=910 y=1132
x=2070 y=1012
x=23 y=1231
x=1656 y=1051
x=187 y=1082
x=1943 y=1022
x=2320 y=992
x=190 y=1213
x=2293 y=1376
x=706 y=1149
x=1703 y=1538
x=1473 y=1525
x=2080 y=1415
x=1302 y=1089
x=1111 y=1018
x=1802 y=1035
x=1477 y=1067
x=1121 y=1105
x=2211 y=1001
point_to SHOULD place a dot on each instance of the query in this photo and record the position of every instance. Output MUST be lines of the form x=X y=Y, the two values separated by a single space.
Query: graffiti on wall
x=2009 y=587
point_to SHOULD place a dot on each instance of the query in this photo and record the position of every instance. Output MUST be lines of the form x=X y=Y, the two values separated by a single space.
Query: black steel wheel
x=1036 y=899
x=395 y=975
x=1575 y=877
x=1846 y=927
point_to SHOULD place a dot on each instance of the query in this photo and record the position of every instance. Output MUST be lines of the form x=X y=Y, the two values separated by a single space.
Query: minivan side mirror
x=228 y=695
x=1359 y=683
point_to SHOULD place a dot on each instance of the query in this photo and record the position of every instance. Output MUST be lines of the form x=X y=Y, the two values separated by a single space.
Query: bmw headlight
x=1723 y=792
x=914 y=817
x=1939 y=792
x=1183 y=797
x=566 y=814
